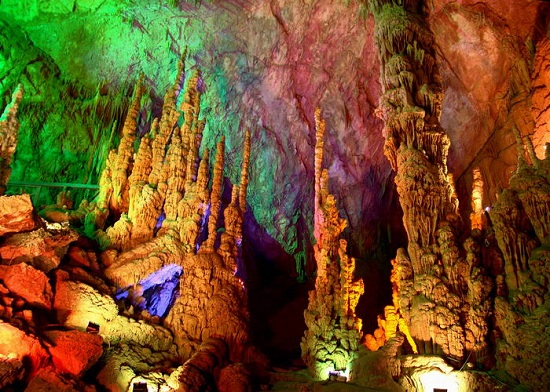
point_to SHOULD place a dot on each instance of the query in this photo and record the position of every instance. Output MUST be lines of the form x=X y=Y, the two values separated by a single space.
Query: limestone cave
x=274 y=195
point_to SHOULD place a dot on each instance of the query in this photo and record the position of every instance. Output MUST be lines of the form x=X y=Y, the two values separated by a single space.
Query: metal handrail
x=52 y=185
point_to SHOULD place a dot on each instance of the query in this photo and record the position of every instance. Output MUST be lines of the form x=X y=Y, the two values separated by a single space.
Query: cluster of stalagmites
x=154 y=211
x=333 y=330
x=445 y=283
x=521 y=223
x=432 y=280
x=164 y=208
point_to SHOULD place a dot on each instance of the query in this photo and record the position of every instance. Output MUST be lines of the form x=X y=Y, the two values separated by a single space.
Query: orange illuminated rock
x=16 y=214
x=74 y=351
x=48 y=380
x=11 y=369
x=43 y=248
x=333 y=330
x=24 y=346
x=17 y=278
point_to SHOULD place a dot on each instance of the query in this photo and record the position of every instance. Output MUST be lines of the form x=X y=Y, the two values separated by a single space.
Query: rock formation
x=151 y=277
x=9 y=129
x=333 y=330
x=440 y=291
x=520 y=220
x=163 y=212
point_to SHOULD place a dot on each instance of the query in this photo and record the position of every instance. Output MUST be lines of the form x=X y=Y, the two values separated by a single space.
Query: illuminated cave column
x=476 y=217
x=417 y=148
x=410 y=106
x=333 y=330
x=9 y=130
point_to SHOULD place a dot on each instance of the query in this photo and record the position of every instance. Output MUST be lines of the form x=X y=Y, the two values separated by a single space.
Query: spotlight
x=337 y=376
x=488 y=209
x=92 y=328
x=139 y=387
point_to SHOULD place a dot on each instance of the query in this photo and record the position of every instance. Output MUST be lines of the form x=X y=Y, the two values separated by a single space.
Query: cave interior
x=320 y=195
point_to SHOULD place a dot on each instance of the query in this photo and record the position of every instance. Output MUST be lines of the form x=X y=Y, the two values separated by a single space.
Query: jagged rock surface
x=333 y=329
x=16 y=214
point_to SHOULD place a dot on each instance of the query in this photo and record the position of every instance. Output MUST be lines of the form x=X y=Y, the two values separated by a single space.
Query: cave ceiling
x=266 y=66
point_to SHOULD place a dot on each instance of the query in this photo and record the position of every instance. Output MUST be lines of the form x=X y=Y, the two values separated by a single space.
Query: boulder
x=29 y=283
x=49 y=381
x=15 y=342
x=41 y=248
x=16 y=214
x=74 y=351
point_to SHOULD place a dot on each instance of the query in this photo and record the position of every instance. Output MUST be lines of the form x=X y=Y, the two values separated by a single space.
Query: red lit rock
x=74 y=351
x=11 y=369
x=41 y=248
x=234 y=378
x=16 y=214
x=49 y=381
x=24 y=346
x=29 y=283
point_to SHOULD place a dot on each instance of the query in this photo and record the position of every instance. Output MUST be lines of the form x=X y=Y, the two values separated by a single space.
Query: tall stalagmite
x=333 y=330
x=436 y=284
x=165 y=208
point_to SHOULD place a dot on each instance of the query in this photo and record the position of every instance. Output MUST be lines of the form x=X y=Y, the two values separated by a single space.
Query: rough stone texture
x=521 y=217
x=439 y=295
x=267 y=64
x=210 y=304
x=9 y=130
x=234 y=377
x=123 y=361
x=29 y=283
x=426 y=373
x=48 y=380
x=16 y=214
x=333 y=329
x=540 y=99
x=485 y=53
x=77 y=304
x=43 y=248
x=26 y=347
x=11 y=369
x=378 y=369
x=74 y=352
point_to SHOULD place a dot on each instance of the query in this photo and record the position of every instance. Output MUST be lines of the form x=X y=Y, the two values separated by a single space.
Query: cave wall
x=266 y=66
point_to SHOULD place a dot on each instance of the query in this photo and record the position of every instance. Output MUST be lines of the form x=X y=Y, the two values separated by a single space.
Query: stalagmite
x=120 y=167
x=476 y=217
x=429 y=291
x=333 y=329
x=215 y=198
x=521 y=219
